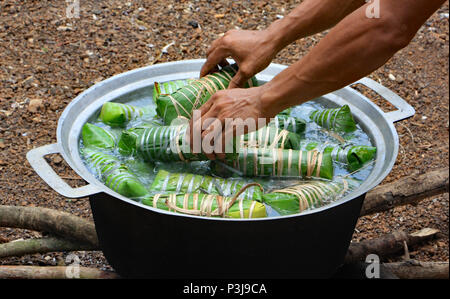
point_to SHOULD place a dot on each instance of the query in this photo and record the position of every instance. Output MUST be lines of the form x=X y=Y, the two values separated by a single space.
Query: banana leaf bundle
x=210 y=205
x=187 y=183
x=114 y=174
x=118 y=115
x=354 y=156
x=283 y=163
x=161 y=143
x=168 y=87
x=183 y=101
x=127 y=144
x=272 y=137
x=289 y=123
x=94 y=136
x=306 y=195
x=338 y=119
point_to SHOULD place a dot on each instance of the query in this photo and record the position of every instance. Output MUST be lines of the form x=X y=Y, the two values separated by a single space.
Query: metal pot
x=140 y=241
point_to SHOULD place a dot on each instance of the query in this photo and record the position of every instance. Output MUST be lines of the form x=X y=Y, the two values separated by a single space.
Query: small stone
x=193 y=23
x=219 y=16
x=57 y=159
x=35 y=105
x=392 y=77
x=64 y=28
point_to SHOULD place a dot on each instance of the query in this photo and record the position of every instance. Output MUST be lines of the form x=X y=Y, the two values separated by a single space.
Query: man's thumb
x=237 y=81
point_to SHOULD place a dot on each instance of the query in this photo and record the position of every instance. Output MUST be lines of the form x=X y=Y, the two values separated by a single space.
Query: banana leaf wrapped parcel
x=127 y=144
x=118 y=115
x=289 y=123
x=166 y=182
x=162 y=143
x=354 y=156
x=338 y=119
x=306 y=195
x=168 y=87
x=210 y=205
x=184 y=100
x=273 y=137
x=114 y=174
x=283 y=163
x=95 y=136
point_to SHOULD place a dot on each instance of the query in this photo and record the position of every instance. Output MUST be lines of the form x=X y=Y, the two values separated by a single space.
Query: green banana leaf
x=127 y=144
x=167 y=182
x=283 y=163
x=338 y=119
x=161 y=143
x=289 y=123
x=306 y=195
x=286 y=112
x=206 y=205
x=168 y=87
x=114 y=174
x=94 y=136
x=271 y=136
x=118 y=115
x=183 y=101
x=354 y=156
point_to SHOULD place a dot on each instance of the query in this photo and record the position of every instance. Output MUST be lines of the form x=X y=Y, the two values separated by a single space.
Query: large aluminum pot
x=140 y=241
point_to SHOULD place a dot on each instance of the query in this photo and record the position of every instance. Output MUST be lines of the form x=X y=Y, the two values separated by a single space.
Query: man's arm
x=310 y=17
x=353 y=49
x=253 y=50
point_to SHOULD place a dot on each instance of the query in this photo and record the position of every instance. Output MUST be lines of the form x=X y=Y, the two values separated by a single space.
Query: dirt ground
x=46 y=59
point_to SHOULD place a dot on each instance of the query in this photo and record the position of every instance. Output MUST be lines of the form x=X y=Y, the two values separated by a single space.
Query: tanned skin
x=354 y=47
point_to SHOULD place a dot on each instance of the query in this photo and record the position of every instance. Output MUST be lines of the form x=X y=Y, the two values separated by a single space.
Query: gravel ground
x=47 y=59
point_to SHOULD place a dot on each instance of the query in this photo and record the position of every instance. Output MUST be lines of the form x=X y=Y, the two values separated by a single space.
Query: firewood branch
x=59 y=223
x=388 y=244
x=406 y=190
x=41 y=245
x=413 y=269
x=53 y=272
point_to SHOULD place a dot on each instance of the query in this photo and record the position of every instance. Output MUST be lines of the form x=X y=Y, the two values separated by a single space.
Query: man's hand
x=224 y=115
x=252 y=50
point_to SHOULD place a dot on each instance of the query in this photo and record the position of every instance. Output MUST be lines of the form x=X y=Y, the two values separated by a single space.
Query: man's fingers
x=221 y=155
x=213 y=46
x=213 y=128
x=237 y=81
x=206 y=106
x=224 y=63
x=214 y=58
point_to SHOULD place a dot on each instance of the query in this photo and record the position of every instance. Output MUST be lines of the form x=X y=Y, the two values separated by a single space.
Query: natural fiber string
x=207 y=202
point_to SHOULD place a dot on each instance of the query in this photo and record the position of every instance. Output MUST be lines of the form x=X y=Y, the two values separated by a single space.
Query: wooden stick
x=413 y=269
x=387 y=245
x=59 y=223
x=41 y=245
x=406 y=190
x=53 y=272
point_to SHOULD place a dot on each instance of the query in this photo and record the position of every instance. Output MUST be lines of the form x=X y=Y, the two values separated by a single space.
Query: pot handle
x=43 y=169
x=405 y=110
